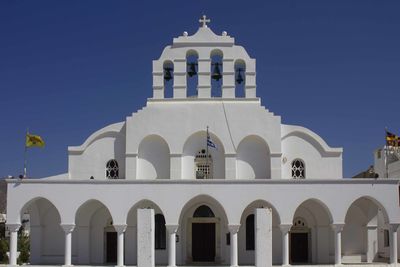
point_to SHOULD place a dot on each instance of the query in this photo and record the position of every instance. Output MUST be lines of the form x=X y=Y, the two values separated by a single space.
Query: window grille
x=298 y=169
x=112 y=170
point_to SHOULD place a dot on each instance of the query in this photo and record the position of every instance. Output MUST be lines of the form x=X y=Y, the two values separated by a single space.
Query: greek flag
x=210 y=143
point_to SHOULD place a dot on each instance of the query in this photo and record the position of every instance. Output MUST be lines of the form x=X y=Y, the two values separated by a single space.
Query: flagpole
x=25 y=156
x=207 y=154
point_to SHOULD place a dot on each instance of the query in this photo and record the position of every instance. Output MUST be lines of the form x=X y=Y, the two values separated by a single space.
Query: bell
x=216 y=75
x=192 y=69
x=239 y=78
x=167 y=74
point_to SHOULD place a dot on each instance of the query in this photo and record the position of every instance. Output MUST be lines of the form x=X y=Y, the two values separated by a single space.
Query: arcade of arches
x=205 y=236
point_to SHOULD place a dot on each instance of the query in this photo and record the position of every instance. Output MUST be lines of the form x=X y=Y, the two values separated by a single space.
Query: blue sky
x=69 y=68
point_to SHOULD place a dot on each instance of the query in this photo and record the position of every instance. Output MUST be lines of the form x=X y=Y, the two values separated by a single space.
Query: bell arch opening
x=192 y=78
x=240 y=78
x=217 y=70
x=168 y=75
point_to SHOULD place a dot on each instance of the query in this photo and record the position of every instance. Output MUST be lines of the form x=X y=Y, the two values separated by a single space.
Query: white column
x=120 y=228
x=337 y=230
x=285 y=228
x=13 y=228
x=372 y=242
x=233 y=230
x=171 y=229
x=68 y=228
x=393 y=243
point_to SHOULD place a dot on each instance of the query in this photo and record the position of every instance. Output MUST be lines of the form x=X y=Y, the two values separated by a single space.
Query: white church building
x=154 y=189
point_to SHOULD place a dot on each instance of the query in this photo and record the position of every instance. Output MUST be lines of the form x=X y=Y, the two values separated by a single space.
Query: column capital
x=120 y=228
x=394 y=226
x=337 y=227
x=13 y=227
x=285 y=228
x=233 y=228
x=172 y=228
x=68 y=227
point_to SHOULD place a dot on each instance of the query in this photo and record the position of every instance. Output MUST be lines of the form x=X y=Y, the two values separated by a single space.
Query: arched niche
x=192 y=77
x=197 y=143
x=93 y=232
x=168 y=78
x=246 y=255
x=311 y=237
x=363 y=233
x=240 y=78
x=253 y=159
x=203 y=220
x=153 y=158
x=46 y=234
x=216 y=67
x=161 y=256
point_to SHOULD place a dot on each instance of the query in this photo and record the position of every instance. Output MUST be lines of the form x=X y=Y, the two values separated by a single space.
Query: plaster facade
x=135 y=192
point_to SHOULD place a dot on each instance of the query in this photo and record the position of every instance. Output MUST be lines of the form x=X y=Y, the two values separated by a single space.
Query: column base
x=67 y=265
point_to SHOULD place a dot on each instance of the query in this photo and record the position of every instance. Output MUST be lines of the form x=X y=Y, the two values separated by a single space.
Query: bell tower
x=235 y=71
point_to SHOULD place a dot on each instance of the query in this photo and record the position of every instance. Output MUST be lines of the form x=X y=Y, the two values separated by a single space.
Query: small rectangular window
x=378 y=153
x=386 y=238
x=228 y=239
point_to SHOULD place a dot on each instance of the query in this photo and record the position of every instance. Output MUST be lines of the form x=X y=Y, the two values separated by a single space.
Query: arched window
x=250 y=242
x=203 y=164
x=298 y=169
x=160 y=232
x=112 y=170
x=203 y=211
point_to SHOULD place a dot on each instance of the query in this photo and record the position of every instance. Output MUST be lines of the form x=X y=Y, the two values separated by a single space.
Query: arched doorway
x=311 y=239
x=300 y=242
x=203 y=228
x=203 y=234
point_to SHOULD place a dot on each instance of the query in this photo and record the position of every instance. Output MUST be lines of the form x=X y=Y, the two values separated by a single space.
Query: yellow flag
x=34 y=140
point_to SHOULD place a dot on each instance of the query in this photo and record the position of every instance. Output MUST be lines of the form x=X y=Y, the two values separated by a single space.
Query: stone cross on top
x=204 y=20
